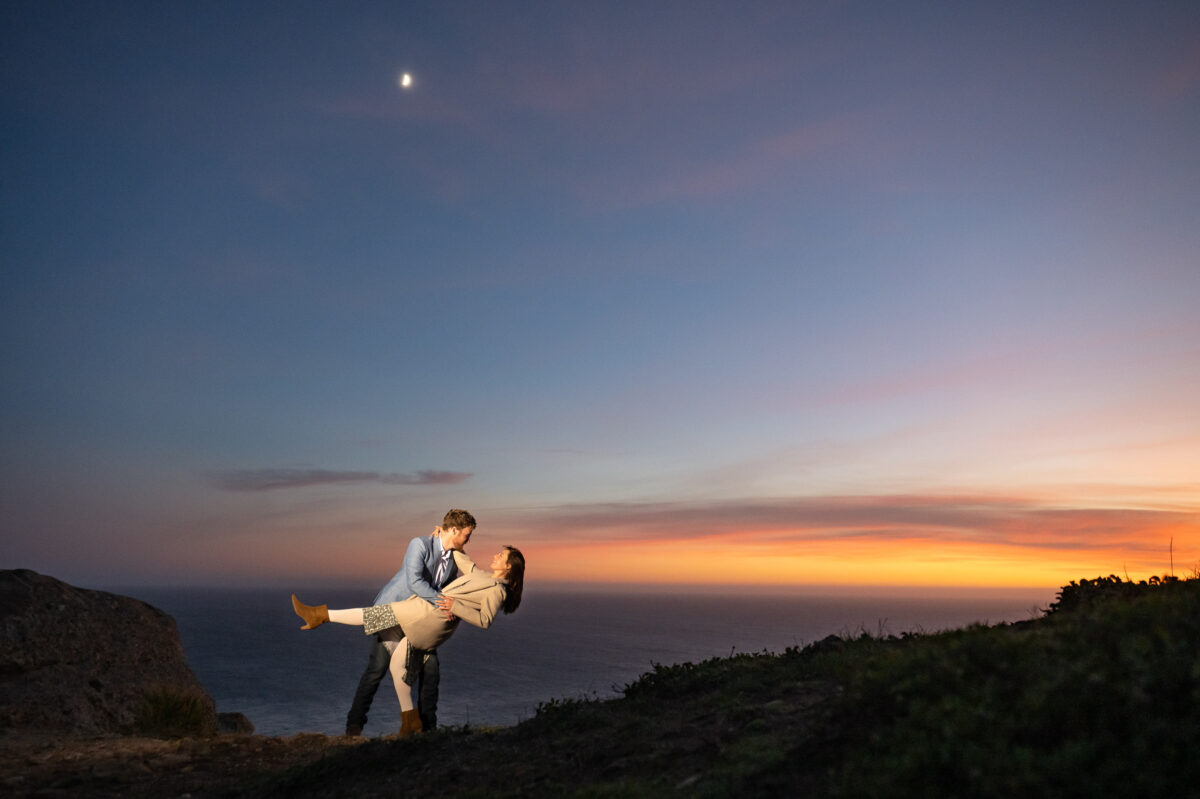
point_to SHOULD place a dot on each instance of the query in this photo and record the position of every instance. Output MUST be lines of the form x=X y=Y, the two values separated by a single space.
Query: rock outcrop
x=74 y=660
x=235 y=723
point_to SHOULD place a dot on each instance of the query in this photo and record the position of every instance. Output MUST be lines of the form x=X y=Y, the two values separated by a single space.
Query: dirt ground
x=148 y=767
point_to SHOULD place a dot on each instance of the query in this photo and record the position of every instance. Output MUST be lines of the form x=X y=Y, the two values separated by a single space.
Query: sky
x=825 y=294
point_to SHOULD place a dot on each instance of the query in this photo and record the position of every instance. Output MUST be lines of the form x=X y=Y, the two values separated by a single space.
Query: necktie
x=443 y=570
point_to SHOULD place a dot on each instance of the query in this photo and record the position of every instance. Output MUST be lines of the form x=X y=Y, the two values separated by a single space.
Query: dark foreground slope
x=1099 y=697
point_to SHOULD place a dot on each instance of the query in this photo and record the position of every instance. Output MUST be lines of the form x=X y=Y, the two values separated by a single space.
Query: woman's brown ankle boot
x=410 y=723
x=313 y=615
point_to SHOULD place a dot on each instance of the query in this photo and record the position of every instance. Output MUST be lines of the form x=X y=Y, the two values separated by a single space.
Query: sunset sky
x=792 y=294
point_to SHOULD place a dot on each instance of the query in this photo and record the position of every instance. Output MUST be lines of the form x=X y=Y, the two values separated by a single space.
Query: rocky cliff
x=74 y=660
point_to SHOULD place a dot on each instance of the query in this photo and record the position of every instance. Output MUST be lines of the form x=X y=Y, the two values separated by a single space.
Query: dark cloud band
x=271 y=479
x=996 y=520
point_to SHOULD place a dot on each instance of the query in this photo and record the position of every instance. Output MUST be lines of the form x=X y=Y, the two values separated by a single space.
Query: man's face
x=456 y=537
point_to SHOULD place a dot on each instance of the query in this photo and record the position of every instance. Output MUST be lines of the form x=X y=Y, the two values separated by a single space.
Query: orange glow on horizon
x=866 y=562
x=911 y=542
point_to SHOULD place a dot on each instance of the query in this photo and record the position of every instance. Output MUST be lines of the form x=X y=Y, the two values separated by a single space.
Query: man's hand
x=437 y=532
x=444 y=604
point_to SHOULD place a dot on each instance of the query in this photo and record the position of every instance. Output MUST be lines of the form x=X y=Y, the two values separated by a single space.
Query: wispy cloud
x=271 y=479
x=424 y=477
x=987 y=520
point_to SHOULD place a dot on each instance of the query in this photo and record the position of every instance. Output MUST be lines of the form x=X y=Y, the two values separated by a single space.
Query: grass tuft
x=167 y=711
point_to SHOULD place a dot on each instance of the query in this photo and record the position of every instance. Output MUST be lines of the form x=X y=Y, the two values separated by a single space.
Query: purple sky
x=599 y=260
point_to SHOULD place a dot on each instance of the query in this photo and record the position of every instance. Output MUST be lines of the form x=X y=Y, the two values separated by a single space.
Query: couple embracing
x=420 y=608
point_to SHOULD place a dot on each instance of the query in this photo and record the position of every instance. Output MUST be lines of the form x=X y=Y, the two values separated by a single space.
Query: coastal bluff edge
x=75 y=661
x=1098 y=696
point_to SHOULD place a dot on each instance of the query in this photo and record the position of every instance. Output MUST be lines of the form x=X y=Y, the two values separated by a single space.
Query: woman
x=475 y=597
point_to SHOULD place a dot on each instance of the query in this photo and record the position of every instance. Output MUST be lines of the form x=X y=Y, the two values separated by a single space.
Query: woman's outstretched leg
x=316 y=615
x=410 y=719
x=351 y=616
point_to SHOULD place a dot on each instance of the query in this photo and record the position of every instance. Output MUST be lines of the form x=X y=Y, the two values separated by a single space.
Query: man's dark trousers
x=377 y=666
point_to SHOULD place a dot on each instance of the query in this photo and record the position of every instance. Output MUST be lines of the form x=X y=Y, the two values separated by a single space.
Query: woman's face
x=500 y=561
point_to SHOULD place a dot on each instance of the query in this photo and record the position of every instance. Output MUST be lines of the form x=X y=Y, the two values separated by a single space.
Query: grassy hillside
x=1100 y=697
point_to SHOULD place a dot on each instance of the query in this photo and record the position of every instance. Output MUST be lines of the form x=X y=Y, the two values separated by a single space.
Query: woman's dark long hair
x=515 y=579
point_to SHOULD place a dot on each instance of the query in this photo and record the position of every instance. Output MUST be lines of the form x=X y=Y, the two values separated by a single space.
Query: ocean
x=248 y=651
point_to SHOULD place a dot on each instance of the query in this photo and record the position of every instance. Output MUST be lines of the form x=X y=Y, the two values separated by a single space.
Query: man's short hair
x=458 y=518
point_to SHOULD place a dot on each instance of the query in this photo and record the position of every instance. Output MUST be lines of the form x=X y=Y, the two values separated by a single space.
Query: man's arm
x=391 y=589
x=414 y=567
x=412 y=575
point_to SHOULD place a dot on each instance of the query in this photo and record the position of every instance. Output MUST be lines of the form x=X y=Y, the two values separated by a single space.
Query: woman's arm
x=464 y=563
x=482 y=612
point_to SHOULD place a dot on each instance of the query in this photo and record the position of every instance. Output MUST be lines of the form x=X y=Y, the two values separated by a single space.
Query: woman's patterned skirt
x=378 y=617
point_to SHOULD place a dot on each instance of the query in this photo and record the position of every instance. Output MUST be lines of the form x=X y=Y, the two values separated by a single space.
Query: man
x=428 y=565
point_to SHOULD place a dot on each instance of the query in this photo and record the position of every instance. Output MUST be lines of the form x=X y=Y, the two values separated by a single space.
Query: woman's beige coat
x=477 y=596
